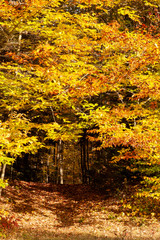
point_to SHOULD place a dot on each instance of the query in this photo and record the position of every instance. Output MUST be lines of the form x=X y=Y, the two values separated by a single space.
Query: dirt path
x=73 y=212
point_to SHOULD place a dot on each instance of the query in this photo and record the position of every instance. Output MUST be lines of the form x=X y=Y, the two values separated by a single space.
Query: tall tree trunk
x=19 y=42
x=60 y=160
x=84 y=158
x=73 y=172
x=11 y=171
x=47 y=169
x=88 y=176
x=3 y=169
x=26 y=167
x=55 y=162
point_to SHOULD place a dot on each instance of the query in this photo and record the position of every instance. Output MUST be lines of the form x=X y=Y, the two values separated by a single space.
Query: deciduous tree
x=57 y=57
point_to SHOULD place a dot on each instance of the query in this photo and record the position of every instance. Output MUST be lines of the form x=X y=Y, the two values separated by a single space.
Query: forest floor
x=37 y=211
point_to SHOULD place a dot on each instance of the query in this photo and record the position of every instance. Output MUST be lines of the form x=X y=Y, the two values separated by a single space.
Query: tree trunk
x=3 y=169
x=88 y=168
x=84 y=158
x=55 y=162
x=47 y=169
x=19 y=42
x=60 y=160
x=26 y=167
x=73 y=173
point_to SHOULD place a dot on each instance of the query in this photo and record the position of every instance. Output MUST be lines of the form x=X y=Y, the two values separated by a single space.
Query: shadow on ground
x=71 y=212
x=31 y=234
x=65 y=201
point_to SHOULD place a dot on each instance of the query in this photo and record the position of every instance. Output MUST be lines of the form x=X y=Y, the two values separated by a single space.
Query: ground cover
x=38 y=211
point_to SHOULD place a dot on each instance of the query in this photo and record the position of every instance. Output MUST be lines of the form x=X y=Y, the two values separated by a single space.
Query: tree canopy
x=72 y=65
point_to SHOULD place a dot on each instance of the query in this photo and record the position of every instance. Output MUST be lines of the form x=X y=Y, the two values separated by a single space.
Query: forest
x=80 y=100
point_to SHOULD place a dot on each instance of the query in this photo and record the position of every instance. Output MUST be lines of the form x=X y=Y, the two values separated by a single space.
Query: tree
x=57 y=57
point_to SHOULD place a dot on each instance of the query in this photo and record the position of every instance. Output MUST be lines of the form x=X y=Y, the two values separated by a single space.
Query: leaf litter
x=49 y=212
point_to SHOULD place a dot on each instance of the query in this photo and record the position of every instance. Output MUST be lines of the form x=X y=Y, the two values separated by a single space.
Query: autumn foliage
x=67 y=66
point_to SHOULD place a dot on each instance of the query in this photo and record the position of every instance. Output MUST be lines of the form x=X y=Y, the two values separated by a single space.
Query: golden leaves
x=69 y=57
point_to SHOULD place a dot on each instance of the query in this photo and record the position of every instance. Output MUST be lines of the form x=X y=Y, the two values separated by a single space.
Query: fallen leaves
x=70 y=212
